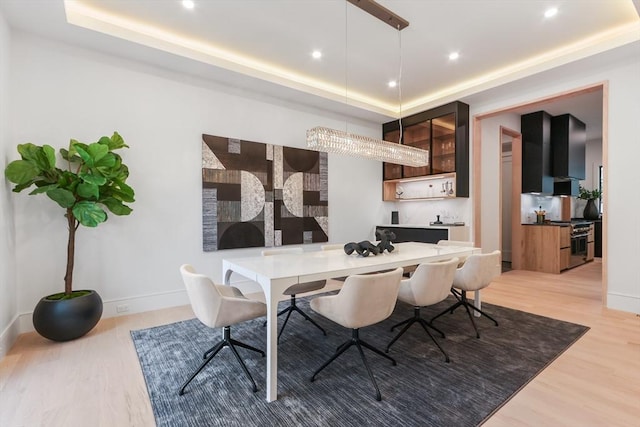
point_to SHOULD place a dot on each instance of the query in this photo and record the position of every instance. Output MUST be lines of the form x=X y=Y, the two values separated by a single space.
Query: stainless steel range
x=579 y=240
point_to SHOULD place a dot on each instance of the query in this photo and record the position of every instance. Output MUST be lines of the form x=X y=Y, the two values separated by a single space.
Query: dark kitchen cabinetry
x=568 y=142
x=444 y=131
x=597 y=238
x=536 y=153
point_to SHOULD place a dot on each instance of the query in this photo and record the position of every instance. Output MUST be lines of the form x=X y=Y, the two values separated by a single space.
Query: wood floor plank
x=97 y=380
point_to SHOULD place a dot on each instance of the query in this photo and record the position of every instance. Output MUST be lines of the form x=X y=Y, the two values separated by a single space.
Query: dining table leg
x=271 y=298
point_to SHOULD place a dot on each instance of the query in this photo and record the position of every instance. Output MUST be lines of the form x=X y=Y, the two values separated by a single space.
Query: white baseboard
x=23 y=322
x=630 y=303
x=124 y=306
x=9 y=336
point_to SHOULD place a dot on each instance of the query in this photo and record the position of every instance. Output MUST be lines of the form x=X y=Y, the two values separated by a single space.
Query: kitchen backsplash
x=450 y=210
x=552 y=205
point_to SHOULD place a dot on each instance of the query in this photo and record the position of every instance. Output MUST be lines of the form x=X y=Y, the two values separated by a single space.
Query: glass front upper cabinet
x=443 y=156
x=444 y=131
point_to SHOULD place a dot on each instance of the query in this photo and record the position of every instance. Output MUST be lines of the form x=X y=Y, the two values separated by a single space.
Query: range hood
x=553 y=153
x=536 y=153
x=568 y=147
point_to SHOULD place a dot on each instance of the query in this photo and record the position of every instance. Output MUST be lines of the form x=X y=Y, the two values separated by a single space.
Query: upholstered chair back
x=363 y=300
x=218 y=305
x=478 y=271
x=429 y=284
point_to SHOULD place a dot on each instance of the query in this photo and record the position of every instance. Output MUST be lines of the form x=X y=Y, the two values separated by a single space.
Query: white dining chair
x=477 y=273
x=363 y=300
x=220 y=306
x=429 y=285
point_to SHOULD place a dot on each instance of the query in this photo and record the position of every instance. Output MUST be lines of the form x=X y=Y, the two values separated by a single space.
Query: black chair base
x=426 y=325
x=464 y=302
x=227 y=341
x=290 y=309
x=355 y=340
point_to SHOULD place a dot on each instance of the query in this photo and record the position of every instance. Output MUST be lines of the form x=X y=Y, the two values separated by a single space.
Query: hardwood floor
x=96 y=380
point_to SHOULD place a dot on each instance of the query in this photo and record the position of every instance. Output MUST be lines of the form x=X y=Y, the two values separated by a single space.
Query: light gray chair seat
x=301 y=288
x=296 y=289
x=363 y=300
x=220 y=306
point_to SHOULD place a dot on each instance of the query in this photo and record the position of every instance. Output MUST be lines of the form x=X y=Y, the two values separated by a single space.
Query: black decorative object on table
x=385 y=237
x=365 y=248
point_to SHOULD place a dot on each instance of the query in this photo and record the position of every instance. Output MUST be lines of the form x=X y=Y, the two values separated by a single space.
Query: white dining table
x=276 y=273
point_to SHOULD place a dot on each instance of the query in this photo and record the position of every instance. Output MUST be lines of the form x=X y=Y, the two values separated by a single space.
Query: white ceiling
x=265 y=45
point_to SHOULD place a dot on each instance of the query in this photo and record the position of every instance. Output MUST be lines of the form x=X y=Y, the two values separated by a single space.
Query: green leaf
x=86 y=157
x=117 y=142
x=64 y=198
x=21 y=171
x=19 y=187
x=89 y=213
x=88 y=191
x=108 y=161
x=116 y=206
x=93 y=179
x=28 y=151
x=97 y=151
x=120 y=191
x=43 y=189
x=50 y=155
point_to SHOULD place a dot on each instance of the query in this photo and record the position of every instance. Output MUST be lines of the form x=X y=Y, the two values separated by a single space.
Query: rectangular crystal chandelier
x=340 y=142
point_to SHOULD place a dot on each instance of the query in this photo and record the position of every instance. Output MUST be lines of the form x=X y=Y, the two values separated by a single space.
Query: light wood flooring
x=96 y=380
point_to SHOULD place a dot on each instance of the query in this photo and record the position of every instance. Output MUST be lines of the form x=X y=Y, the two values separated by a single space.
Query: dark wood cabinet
x=444 y=131
x=536 y=153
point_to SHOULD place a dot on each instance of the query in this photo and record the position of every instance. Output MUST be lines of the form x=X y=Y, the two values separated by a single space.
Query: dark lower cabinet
x=597 y=238
x=423 y=235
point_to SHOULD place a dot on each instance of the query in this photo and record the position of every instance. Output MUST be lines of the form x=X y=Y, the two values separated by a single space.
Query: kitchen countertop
x=562 y=223
x=423 y=225
x=552 y=224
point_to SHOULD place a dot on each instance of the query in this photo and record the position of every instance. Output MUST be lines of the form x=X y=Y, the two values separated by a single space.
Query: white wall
x=8 y=285
x=64 y=92
x=593 y=161
x=623 y=235
x=490 y=212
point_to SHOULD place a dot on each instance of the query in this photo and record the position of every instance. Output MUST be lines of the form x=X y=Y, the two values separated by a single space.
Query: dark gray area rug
x=422 y=390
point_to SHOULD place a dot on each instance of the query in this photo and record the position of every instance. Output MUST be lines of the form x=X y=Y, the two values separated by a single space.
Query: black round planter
x=591 y=210
x=64 y=320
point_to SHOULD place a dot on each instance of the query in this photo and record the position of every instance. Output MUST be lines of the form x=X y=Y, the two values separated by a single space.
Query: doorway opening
x=600 y=89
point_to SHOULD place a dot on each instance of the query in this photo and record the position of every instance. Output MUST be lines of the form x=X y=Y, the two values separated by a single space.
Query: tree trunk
x=71 y=248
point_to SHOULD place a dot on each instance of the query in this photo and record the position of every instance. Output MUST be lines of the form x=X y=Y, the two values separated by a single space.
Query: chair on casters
x=477 y=273
x=363 y=300
x=429 y=284
x=296 y=289
x=220 y=306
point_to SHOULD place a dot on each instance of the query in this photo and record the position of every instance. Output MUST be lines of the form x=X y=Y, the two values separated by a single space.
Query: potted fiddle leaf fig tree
x=92 y=181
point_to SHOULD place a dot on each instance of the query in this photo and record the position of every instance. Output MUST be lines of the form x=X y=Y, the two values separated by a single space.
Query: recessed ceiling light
x=188 y=4
x=453 y=56
x=316 y=54
x=392 y=83
x=549 y=13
